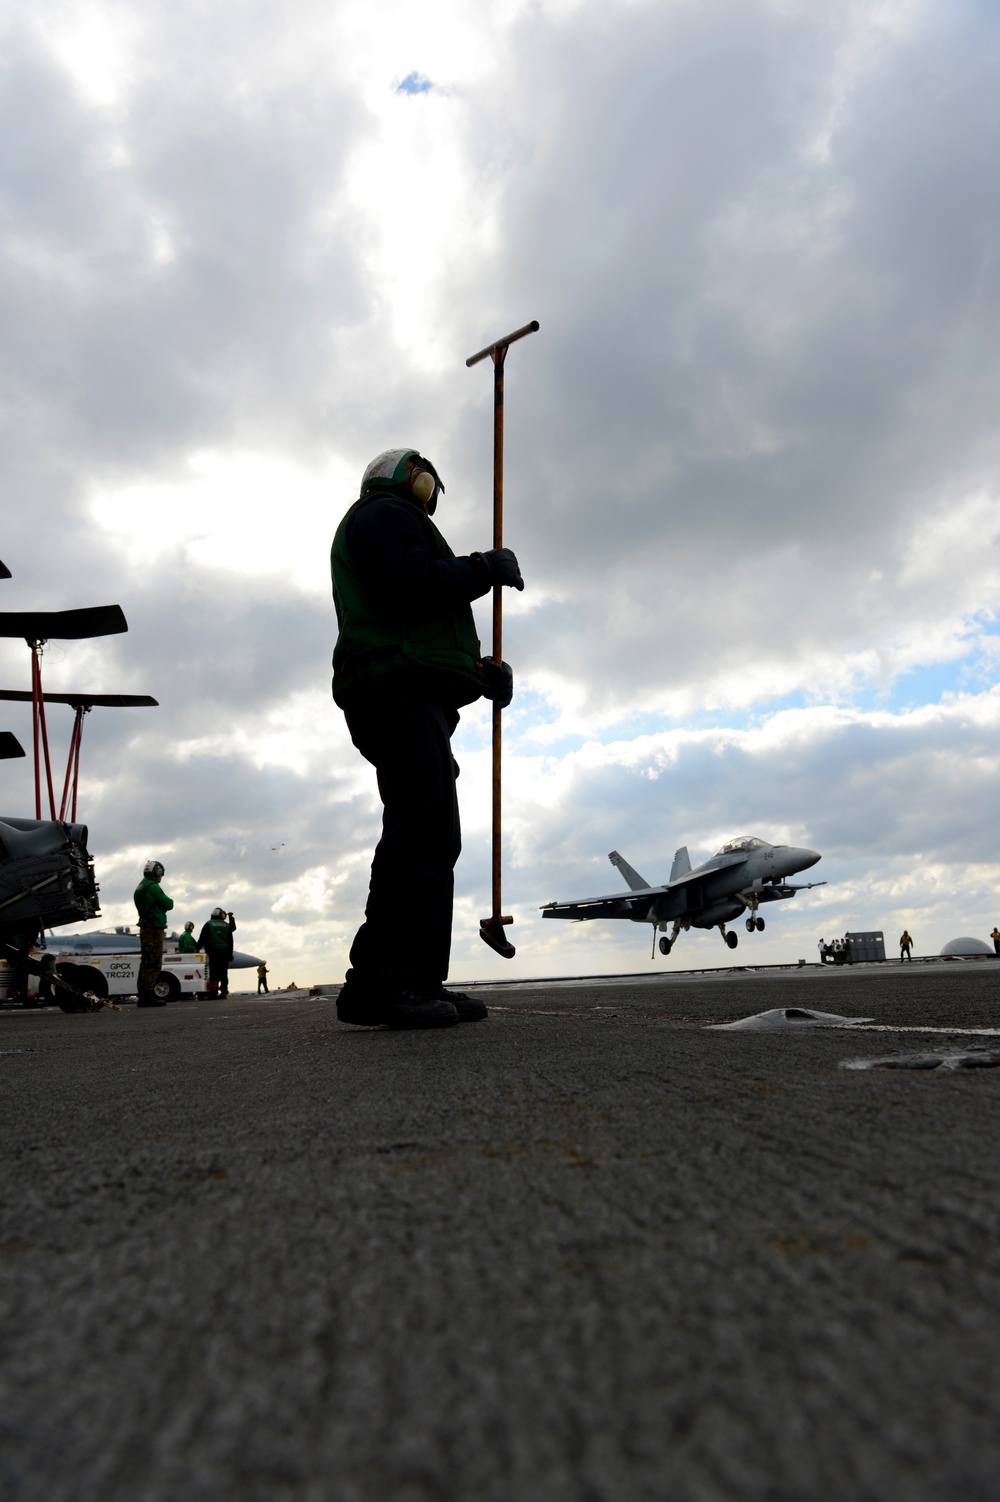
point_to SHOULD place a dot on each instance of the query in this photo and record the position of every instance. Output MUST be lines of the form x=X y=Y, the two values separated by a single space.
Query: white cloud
x=256 y=515
x=95 y=43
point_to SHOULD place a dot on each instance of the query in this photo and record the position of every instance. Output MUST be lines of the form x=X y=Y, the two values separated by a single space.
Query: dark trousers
x=218 y=969
x=262 y=985
x=404 y=943
x=150 y=961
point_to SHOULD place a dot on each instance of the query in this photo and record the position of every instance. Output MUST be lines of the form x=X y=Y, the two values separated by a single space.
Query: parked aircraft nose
x=806 y=858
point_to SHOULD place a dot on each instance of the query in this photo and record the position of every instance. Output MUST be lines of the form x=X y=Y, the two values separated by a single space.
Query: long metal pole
x=69 y=764
x=499 y=356
x=73 y=764
x=36 y=692
x=76 y=761
x=45 y=734
x=491 y=929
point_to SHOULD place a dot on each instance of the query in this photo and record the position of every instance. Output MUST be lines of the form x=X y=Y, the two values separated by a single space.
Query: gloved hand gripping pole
x=491 y=928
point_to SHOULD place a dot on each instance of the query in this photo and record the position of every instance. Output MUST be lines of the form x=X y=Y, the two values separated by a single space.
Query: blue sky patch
x=414 y=83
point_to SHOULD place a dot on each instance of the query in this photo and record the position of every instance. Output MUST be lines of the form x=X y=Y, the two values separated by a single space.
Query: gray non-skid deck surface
x=247 y=1253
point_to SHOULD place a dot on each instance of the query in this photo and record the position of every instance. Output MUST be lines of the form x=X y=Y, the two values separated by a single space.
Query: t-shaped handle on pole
x=491 y=928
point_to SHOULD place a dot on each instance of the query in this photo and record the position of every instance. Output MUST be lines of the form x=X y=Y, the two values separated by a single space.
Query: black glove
x=503 y=567
x=499 y=681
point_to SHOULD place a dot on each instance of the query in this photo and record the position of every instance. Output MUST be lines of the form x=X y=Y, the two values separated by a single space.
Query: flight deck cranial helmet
x=189 y=927
x=218 y=912
x=387 y=473
x=154 y=869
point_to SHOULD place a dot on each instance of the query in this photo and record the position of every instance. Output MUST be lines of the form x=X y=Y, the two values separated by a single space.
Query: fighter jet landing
x=740 y=878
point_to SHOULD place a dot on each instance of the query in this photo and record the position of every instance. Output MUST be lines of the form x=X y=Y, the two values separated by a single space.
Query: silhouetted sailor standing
x=152 y=905
x=216 y=939
x=407 y=658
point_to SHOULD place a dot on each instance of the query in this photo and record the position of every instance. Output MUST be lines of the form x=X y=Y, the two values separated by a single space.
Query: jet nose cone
x=808 y=858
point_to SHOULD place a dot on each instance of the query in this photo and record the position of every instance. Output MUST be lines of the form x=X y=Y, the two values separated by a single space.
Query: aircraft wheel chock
x=81 y=977
x=71 y=974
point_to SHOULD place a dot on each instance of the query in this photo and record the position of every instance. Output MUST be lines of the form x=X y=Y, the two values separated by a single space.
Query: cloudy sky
x=753 y=457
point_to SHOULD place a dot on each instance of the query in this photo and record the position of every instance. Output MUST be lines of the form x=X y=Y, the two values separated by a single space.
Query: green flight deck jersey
x=152 y=903
x=437 y=655
x=217 y=936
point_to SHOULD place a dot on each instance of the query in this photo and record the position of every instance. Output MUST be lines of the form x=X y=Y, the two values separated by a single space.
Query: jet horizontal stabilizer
x=10 y=746
x=89 y=701
x=63 y=625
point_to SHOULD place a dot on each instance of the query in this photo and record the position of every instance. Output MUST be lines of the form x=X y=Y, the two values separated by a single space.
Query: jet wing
x=618 y=905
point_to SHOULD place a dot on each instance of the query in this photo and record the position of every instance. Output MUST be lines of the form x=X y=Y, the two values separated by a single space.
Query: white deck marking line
x=885 y=1027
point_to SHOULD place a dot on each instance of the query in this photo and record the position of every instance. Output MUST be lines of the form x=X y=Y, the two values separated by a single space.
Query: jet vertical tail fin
x=634 y=880
x=681 y=865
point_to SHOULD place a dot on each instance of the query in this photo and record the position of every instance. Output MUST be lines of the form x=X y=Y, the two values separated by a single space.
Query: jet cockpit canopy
x=742 y=843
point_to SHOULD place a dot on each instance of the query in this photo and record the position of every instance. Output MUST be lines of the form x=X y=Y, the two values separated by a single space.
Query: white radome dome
x=967 y=946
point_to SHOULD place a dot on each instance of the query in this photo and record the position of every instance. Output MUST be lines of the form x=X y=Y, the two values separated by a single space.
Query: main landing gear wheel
x=732 y=940
x=665 y=946
x=760 y=925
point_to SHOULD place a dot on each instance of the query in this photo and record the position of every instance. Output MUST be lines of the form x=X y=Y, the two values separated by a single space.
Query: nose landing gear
x=755 y=923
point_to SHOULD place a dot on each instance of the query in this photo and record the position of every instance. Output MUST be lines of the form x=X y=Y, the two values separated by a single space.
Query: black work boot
x=149 y=1000
x=399 y=1010
x=469 y=1008
x=359 y=1007
x=413 y=1009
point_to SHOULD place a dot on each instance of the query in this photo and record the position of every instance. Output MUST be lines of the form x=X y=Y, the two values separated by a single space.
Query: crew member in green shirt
x=152 y=904
x=216 y=939
x=186 y=943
